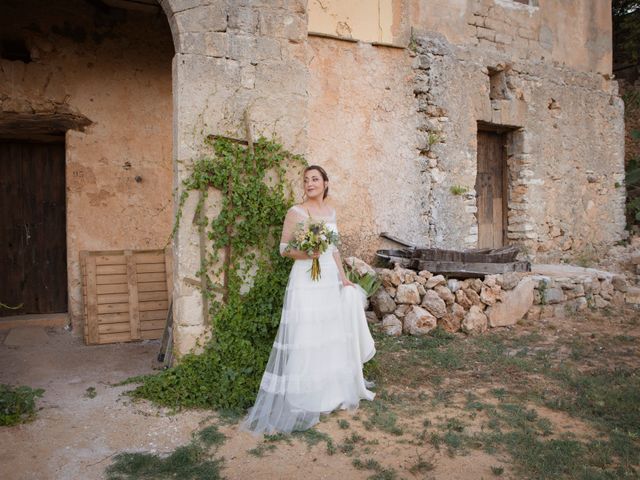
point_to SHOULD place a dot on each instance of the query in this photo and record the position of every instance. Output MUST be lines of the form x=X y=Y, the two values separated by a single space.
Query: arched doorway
x=90 y=82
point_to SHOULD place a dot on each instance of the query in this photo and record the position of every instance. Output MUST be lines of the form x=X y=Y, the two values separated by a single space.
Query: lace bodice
x=297 y=215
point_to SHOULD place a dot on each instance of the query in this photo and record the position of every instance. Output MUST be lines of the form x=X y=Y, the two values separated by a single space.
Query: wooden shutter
x=126 y=295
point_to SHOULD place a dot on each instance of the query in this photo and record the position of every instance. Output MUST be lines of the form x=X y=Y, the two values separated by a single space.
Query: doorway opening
x=492 y=185
x=33 y=246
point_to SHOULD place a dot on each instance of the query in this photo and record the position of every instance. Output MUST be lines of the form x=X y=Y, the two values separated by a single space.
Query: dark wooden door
x=491 y=190
x=33 y=251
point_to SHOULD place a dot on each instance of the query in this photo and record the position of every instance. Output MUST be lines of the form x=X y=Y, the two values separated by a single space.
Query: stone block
x=408 y=293
x=418 y=321
x=371 y=316
x=391 y=326
x=434 y=304
x=475 y=321
x=619 y=283
x=514 y=305
x=553 y=295
x=445 y=294
x=382 y=303
x=203 y=18
x=435 y=280
x=632 y=296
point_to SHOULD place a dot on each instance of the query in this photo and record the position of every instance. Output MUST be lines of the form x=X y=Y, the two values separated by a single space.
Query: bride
x=315 y=365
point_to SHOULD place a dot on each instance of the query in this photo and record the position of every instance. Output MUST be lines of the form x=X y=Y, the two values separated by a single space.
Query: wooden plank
x=152 y=334
x=157 y=305
x=113 y=318
x=134 y=313
x=147 y=296
x=111 y=260
x=168 y=267
x=112 y=270
x=92 y=303
x=111 y=279
x=153 y=315
x=113 y=328
x=157 y=256
x=152 y=325
x=151 y=277
x=116 y=298
x=114 y=338
x=152 y=287
x=461 y=269
x=150 y=267
x=117 y=288
x=113 y=308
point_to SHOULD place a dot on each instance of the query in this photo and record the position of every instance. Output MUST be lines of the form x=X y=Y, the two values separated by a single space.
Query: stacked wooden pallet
x=126 y=294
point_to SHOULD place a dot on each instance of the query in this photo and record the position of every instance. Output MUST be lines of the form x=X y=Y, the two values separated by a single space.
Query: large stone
x=360 y=267
x=391 y=325
x=452 y=320
x=473 y=296
x=371 y=316
x=509 y=280
x=475 y=284
x=382 y=303
x=463 y=300
x=408 y=293
x=632 y=296
x=475 y=321
x=490 y=294
x=390 y=278
x=402 y=310
x=619 y=283
x=553 y=295
x=435 y=280
x=418 y=321
x=445 y=294
x=514 y=305
x=432 y=302
x=453 y=285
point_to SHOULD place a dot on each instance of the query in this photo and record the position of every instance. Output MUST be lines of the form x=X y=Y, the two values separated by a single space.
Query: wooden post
x=92 y=300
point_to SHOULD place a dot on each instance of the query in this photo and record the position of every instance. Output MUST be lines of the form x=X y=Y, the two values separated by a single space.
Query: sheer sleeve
x=291 y=220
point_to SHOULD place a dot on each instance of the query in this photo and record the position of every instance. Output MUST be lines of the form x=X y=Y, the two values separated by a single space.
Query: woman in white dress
x=323 y=339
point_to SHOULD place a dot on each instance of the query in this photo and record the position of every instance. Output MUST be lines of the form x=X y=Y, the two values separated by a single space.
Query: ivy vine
x=244 y=276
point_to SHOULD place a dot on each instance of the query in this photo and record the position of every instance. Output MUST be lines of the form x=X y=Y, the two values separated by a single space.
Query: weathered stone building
x=453 y=123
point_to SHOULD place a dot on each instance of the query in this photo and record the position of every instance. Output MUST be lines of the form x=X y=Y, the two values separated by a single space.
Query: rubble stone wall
x=565 y=154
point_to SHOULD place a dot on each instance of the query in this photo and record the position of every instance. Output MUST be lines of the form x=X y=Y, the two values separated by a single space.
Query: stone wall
x=362 y=130
x=564 y=156
x=233 y=60
x=110 y=69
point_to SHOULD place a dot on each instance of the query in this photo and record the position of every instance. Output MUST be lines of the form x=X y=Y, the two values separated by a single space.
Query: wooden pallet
x=126 y=294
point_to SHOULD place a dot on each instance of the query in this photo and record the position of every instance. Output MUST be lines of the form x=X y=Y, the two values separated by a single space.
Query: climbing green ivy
x=242 y=247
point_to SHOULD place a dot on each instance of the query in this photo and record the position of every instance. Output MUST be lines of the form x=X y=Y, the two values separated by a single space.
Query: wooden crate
x=126 y=294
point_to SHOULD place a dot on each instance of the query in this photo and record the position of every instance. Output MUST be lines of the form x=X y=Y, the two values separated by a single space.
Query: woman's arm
x=291 y=221
x=343 y=276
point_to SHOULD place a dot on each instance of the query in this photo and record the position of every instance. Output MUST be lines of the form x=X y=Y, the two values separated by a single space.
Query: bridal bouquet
x=313 y=237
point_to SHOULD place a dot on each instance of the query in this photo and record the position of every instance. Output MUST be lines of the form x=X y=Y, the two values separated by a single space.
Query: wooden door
x=33 y=251
x=491 y=190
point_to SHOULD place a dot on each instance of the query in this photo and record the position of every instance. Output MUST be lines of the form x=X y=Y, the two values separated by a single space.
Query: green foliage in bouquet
x=370 y=283
x=255 y=198
x=18 y=404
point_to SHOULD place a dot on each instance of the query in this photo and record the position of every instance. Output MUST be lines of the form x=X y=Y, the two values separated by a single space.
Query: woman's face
x=314 y=185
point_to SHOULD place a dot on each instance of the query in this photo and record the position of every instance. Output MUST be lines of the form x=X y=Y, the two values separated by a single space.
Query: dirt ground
x=76 y=437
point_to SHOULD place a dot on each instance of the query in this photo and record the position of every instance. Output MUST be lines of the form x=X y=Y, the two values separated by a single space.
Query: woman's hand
x=347 y=283
x=313 y=255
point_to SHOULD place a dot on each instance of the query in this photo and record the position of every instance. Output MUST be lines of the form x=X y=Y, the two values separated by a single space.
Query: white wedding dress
x=315 y=365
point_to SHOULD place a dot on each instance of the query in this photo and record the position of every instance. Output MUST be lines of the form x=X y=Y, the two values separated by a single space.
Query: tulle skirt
x=315 y=365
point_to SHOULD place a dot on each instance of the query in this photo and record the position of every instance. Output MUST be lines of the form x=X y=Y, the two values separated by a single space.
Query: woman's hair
x=325 y=177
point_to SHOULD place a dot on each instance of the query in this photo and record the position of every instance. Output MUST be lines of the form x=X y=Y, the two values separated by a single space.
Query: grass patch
x=189 y=462
x=18 y=404
x=380 y=472
x=313 y=437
